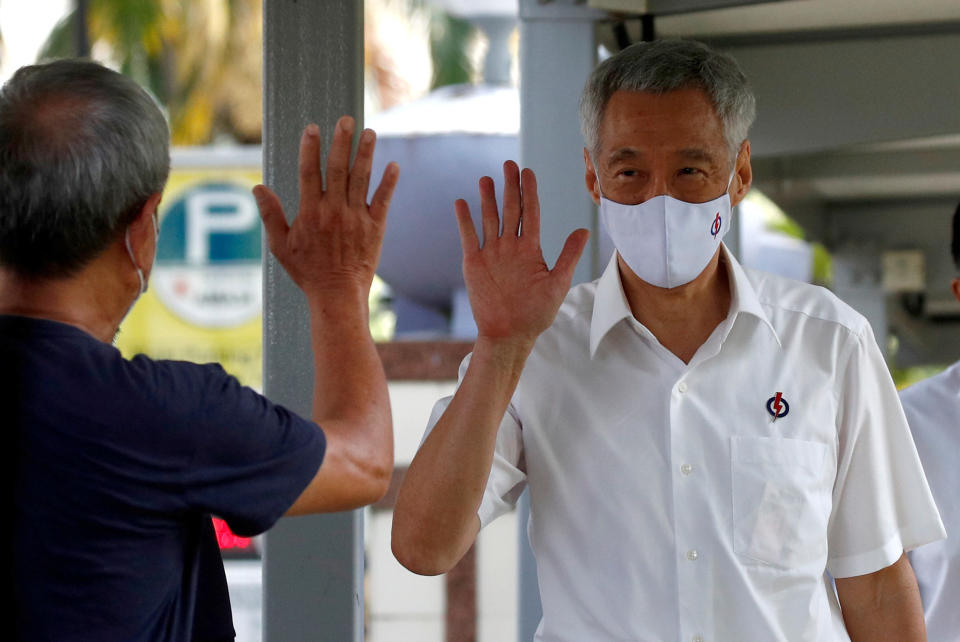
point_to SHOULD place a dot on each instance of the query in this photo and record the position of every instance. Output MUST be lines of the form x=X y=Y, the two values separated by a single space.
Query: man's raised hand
x=334 y=242
x=514 y=295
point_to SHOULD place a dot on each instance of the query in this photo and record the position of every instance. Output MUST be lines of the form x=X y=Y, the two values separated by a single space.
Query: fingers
x=360 y=174
x=488 y=210
x=531 y=206
x=338 y=162
x=468 y=235
x=381 y=198
x=570 y=254
x=274 y=221
x=511 y=199
x=311 y=180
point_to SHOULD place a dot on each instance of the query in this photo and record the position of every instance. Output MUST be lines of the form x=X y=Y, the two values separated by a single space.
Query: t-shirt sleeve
x=507 y=478
x=882 y=505
x=251 y=458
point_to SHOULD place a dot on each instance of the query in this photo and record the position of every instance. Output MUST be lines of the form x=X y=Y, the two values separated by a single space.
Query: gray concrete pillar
x=313 y=72
x=558 y=51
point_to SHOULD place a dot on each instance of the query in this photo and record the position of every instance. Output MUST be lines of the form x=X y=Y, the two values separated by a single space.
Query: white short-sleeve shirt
x=933 y=410
x=667 y=501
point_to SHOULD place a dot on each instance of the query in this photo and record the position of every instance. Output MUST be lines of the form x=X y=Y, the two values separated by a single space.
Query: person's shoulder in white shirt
x=780 y=293
x=933 y=411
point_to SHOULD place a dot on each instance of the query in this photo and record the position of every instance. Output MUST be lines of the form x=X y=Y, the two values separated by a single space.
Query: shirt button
x=686 y=469
x=682 y=386
x=693 y=555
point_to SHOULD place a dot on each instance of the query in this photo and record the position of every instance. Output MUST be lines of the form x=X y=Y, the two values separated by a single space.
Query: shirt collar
x=610 y=303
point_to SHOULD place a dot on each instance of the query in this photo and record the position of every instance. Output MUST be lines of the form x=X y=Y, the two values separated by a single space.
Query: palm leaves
x=201 y=59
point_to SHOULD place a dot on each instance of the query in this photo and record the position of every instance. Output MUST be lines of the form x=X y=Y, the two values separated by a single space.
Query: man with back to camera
x=932 y=407
x=117 y=464
x=703 y=443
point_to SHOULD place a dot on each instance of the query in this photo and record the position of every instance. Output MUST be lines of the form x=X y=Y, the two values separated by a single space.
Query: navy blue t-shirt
x=114 y=469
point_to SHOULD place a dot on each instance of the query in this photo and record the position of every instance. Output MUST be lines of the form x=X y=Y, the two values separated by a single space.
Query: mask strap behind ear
x=126 y=241
x=596 y=172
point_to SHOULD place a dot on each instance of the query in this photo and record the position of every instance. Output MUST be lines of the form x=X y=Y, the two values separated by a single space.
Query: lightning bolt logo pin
x=778 y=406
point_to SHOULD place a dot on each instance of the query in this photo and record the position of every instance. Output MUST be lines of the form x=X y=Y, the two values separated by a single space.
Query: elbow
x=379 y=478
x=378 y=466
x=416 y=554
x=370 y=467
x=372 y=481
x=416 y=561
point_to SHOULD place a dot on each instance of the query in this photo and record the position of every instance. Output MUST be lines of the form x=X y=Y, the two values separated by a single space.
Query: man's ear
x=743 y=174
x=955 y=286
x=590 y=177
x=142 y=234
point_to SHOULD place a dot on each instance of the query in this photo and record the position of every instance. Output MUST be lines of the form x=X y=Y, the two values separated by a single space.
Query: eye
x=688 y=171
x=629 y=172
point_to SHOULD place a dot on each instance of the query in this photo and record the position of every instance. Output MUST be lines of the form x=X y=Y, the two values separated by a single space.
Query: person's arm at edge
x=883 y=606
x=514 y=297
x=331 y=251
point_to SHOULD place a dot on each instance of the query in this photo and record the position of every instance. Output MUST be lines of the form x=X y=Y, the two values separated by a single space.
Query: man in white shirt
x=933 y=410
x=703 y=443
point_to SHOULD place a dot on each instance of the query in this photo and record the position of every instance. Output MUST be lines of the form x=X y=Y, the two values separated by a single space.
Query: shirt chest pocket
x=781 y=500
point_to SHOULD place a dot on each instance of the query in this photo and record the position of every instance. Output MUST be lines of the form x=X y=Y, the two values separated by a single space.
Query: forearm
x=435 y=520
x=884 y=606
x=350 y=398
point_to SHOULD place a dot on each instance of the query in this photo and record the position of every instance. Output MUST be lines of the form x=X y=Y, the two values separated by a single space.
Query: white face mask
x=665 y=241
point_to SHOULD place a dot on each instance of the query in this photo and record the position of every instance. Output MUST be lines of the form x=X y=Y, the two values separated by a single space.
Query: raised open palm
x=336 y=237
x=514 y=295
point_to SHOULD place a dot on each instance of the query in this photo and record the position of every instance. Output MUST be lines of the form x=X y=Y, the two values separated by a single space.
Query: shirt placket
x=689 y=549
x=695 y=547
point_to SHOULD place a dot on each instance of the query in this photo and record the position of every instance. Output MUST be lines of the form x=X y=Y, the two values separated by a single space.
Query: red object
x=227 y=540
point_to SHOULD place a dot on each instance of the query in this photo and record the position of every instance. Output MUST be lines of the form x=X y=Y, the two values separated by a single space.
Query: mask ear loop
x=156 y=239
x=126 y=241
x=596 y=172
x=733 y=173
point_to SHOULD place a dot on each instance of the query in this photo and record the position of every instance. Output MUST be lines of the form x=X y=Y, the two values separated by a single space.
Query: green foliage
x=60 y=42
x=382 y=319
x=200 y=58
x=785 y=225
x=449 y=37
x=906 y=377
x=822 y=265
x=133 y=29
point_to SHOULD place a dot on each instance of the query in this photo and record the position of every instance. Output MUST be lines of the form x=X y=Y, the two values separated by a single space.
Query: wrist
x=340 y=301
x=508 y=352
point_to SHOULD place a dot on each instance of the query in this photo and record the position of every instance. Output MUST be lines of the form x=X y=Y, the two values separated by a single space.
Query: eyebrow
x=624 y=153
x=690 y=153
x=699 y=154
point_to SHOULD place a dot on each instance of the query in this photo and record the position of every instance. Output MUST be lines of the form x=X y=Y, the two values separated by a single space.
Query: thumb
x=570 y=255
x=274 y=221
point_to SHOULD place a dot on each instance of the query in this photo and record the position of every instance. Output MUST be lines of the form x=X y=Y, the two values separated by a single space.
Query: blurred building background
x=856 y=157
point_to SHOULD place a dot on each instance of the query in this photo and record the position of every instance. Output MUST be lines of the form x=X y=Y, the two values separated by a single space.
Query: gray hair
x=667 y=65
x=82 y=148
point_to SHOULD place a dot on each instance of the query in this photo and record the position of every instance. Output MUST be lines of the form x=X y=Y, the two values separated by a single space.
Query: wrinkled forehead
x=681 y=122
x=698 y=155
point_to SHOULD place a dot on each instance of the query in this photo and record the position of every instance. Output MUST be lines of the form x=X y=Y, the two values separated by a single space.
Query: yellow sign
x=204 y=300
